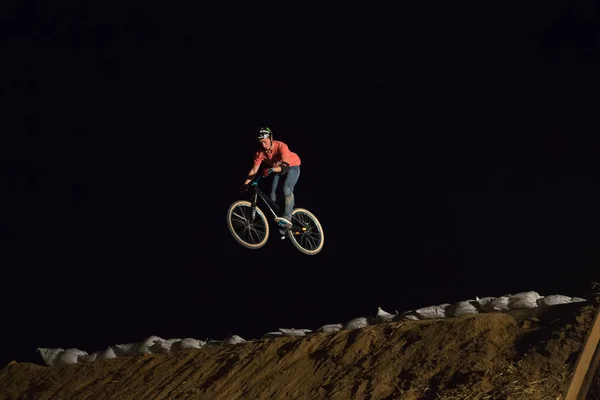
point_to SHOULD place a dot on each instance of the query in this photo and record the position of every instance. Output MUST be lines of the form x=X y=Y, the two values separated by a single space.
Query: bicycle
x=249 y=226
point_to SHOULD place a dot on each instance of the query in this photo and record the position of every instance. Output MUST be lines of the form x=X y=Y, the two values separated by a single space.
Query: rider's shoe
x=283 y=222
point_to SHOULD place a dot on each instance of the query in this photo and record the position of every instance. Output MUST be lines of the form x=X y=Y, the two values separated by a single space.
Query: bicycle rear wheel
x=306 y=232
x=251 y=232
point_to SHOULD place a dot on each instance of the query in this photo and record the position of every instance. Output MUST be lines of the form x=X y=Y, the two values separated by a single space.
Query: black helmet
x=265 y=132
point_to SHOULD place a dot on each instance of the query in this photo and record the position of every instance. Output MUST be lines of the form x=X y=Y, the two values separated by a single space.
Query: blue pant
x=288 y=189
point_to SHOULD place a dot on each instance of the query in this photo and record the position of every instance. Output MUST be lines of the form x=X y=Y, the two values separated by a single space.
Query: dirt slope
x=485 y=356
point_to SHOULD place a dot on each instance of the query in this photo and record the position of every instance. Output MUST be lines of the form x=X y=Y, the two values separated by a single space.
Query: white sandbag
x=165 y=346
x=89 y=358
x=463 y=307
x=186 y=344
x=484 y=303
x=107 y=354
x=294 y=332
x=71 y=356
x=50 y=356
x=272 y=335
x=233 y=340
x=68 y=358
x=432 y=312
x=553 y=300
x=523 y=300
x=330 y=328
x=77 y=351
x=126 y=349
x=577 y=300
x=357 y=323
x=383 y=316
x=149 y=345
x=498 y=304
x=406 y=316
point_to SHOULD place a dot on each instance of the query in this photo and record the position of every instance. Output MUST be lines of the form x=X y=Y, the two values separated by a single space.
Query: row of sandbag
x=158 y=345
x=150 y=345
x=518 y=301
x=522 y=300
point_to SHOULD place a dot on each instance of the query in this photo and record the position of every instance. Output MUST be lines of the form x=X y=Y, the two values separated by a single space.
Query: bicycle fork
x=253 y=205
x=253 y=208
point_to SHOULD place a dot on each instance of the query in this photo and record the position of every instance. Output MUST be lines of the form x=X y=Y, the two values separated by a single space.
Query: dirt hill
x=525 y=355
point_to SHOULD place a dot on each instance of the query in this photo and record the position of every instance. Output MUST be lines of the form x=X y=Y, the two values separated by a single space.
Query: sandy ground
x=484 y=356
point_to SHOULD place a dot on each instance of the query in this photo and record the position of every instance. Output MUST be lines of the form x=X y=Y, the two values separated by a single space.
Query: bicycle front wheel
x=306 y=232
x=251 y=231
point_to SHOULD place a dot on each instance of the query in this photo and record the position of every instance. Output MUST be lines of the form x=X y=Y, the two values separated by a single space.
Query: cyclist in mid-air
x=282 y=162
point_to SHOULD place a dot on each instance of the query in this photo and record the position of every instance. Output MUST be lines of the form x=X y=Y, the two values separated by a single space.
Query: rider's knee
x=287 y=191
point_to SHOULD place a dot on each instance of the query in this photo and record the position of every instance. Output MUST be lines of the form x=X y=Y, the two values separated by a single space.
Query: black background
x=448 y=149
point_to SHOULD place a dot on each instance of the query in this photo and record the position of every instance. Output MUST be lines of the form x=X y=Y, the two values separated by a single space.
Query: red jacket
x=278 y=153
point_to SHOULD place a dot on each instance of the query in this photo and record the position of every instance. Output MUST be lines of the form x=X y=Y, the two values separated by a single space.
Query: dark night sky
x=449 y=151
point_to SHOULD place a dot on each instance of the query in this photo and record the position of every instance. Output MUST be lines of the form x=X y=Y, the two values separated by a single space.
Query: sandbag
x=50 y=356
x=107 y=353
x=150 y=345
x=383 y=316
x=126 y=349
x=498 y=304
x=166 y=346
x=330 y=328
x=432 y=312
x=294 y=332
x=89 y=358
x=232 y=340
x=523 y=300
x=272 y=335
x=406 y=316
x=484 y=303
x=553 y=300
x=71 y=356
x=460 y=308
x=356 y=323
x=187 y=343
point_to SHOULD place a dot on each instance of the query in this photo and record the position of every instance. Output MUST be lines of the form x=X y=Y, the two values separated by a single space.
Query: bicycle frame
x=306 y=232
x=257 y=192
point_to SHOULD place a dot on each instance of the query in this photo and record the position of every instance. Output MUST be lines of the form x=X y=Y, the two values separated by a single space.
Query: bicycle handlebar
x=255 y=180
x=257 y=177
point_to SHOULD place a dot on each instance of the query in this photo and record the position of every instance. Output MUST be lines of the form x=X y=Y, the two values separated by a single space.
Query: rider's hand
x=267 y=171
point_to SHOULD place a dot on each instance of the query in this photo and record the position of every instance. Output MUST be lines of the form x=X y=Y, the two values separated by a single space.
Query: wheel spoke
x=249 y=232
x=306 y=232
